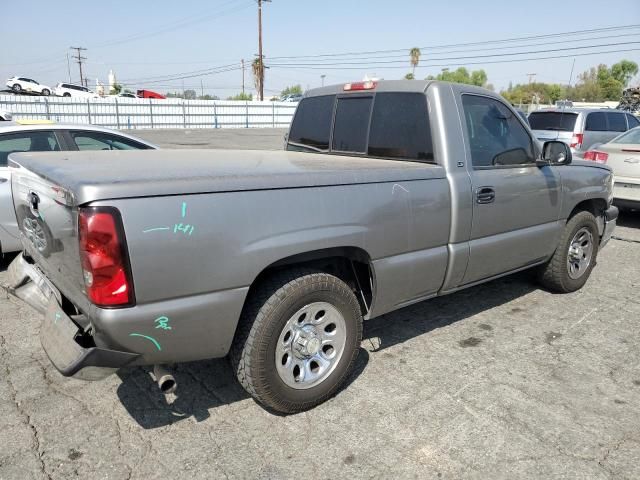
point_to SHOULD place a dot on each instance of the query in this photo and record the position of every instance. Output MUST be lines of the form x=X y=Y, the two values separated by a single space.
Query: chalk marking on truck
x=163 y=323
x=155 y=229
x=151 y=339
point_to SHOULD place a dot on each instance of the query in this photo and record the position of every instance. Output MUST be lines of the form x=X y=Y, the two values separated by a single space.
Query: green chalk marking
x=184 y=209
x=151 y=339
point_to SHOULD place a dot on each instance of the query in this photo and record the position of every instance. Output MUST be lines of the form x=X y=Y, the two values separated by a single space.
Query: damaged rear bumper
x=71 y=350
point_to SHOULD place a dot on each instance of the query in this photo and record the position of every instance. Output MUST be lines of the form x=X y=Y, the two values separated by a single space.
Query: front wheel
x=298 y=340
x=16 y=88
x=574 y=259
x=46 y=92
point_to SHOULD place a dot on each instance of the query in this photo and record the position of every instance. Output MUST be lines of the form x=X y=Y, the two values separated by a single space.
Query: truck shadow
x=629 y=219
x=206 y=385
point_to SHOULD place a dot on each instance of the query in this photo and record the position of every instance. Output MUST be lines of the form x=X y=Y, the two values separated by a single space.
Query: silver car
x=581 y=128
x=45 y=136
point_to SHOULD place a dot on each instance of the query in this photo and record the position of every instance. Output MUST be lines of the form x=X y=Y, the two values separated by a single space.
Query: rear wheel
x=66 y=94
x=46 y=92
x=298 y=340
x=574 y=259
x=16 y=88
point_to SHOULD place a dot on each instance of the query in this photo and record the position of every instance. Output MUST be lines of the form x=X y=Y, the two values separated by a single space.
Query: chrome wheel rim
x=35 y=233
x=310 y=345
x=580 y=253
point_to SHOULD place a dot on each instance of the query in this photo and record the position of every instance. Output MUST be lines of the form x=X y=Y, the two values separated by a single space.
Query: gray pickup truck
x=388 y=193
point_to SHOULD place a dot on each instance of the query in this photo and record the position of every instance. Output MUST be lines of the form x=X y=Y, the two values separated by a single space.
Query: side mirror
x=555 y=152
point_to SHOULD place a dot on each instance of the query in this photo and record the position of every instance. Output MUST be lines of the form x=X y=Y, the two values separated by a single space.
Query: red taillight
x=103 y=256
x=576 y=140
x=596 y=156
x=352 y=87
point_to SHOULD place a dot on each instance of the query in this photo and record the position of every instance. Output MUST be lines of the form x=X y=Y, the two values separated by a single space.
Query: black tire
x=16 y=88
x=46 y=92
x=263 y=319
x=555 y=274
x=66 y=94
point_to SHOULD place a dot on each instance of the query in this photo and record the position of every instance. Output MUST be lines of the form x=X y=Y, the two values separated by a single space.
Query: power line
x=488 y=62
x=486 y=42
x=484 y=49
x=530 y=52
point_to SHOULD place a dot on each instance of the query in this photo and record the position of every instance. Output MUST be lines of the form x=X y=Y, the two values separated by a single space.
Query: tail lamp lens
x=104 y=258
x=576 y=140
x=596 y=156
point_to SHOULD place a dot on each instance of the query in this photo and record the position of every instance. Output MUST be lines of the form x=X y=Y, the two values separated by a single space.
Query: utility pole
x=242 y=61
x=69 y=68
x=531 y=76
x=79 y=58
x=201 y=89
x=322 y=77
x=260 y=56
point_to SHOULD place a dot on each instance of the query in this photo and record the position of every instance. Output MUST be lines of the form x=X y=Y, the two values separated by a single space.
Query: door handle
x=485 y=195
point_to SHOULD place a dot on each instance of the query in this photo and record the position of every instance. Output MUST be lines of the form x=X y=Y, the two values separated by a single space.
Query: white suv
x=23 y=84
x=71 y=90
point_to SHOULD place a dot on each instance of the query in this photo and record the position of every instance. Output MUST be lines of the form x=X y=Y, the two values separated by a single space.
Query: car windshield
x=632 y=136
x=559 y=121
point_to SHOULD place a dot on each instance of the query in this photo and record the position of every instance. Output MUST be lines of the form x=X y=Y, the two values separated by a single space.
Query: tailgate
x=48 y=225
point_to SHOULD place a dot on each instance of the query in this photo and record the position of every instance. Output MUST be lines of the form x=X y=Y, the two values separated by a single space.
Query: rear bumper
x=73 y=353
x=610 y=219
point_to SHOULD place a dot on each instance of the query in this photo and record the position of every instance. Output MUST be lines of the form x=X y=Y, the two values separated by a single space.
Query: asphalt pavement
x=504 y=380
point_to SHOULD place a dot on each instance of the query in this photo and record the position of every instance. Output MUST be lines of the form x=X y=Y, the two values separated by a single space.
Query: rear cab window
x=556 y=121
x=389 y=125
x=633 y=121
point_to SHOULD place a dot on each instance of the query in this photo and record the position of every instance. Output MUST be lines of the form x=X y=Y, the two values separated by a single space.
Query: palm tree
x=258 y=73
x=414 y=53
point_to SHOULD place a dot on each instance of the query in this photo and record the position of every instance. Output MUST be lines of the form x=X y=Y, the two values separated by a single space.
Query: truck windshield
x=390 y=125
x=558 y=121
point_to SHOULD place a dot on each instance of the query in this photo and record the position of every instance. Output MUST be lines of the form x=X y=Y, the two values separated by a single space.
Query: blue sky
x=141 y=40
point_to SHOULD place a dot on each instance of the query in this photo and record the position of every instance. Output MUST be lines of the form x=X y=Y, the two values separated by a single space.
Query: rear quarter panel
x=194 y=257
x=581 y=182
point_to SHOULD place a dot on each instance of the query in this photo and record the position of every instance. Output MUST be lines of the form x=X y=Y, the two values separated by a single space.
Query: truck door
x=516 y=204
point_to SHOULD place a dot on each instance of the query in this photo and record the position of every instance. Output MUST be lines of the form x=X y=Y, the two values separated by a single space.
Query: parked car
x=72 y=90
x=389 y=193
x=149 y=94
x=47 y=136
x=296 y=97
x=580 y=128
x=128 y=95
x=622 y=154
x=27 y=85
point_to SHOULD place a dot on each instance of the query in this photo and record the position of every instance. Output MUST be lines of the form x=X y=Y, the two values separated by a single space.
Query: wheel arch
x=353 y=265
x=595 y=206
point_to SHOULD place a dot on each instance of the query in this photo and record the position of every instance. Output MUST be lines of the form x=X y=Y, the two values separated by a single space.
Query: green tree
x=462 y=75
x=292 y=90
x=624 y=71
x=409 y=76
x=116 y=89
x=208 y=97
x=190 y=94
x=414 y=55
x=241 y=96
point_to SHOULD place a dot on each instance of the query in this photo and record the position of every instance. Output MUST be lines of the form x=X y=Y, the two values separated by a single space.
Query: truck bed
x=92 y=176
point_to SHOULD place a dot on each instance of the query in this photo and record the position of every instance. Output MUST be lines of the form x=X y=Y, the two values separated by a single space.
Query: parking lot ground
x=504 y=380
x=228 y=138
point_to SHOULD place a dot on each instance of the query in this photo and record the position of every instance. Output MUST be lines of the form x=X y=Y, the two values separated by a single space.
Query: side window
x=400 y=127
x=496 y=136
x=633 y=121
x=36 y=141
x=104 y=141
x=596 y=122
x=351 y=124
x=312 y=122
x=617 y=123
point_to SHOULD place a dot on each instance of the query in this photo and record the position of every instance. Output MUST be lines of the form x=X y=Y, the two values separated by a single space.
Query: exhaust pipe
x=166 y=383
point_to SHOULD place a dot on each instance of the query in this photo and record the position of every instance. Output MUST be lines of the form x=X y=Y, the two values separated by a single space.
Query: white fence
x=150 y=113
